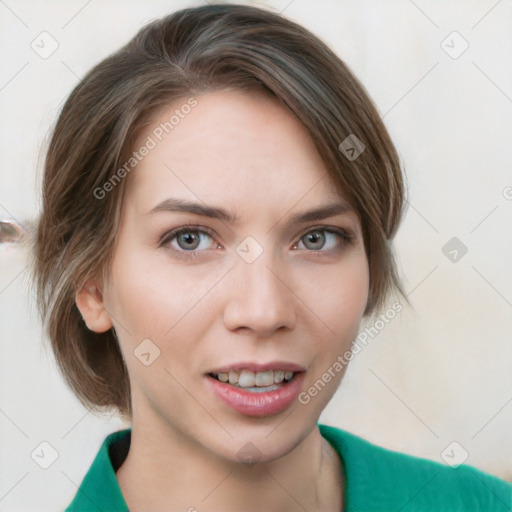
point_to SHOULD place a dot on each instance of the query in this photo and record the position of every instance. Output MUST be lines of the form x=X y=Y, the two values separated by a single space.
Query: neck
x=167 y=471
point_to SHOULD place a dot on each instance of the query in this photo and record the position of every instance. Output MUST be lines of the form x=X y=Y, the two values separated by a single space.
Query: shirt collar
x=100 y=490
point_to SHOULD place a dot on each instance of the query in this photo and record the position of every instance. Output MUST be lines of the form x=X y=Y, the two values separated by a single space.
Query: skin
x=300 y=301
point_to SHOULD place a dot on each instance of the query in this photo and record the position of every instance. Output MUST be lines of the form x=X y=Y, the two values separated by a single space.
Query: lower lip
x=258 y=404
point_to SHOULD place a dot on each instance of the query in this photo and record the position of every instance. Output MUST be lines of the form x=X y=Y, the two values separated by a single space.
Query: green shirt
x=377 y=479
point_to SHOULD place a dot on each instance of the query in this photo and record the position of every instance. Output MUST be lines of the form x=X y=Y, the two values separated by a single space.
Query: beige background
x=435 y=374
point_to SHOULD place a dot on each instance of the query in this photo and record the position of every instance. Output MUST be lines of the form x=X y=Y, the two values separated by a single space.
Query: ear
x=89 y=301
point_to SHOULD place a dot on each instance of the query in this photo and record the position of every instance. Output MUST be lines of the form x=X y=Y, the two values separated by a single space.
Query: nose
x=261 y=297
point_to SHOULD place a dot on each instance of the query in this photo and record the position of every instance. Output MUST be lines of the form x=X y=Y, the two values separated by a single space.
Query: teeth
x=250 y=379
x=247 y=379
x=265 y=378
x=278 y=376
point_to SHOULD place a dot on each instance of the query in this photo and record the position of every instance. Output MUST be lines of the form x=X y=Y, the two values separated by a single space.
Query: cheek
x=352 y=296
x=140 y=296
x=340 y=296
x=340 y=307
x=150 y=297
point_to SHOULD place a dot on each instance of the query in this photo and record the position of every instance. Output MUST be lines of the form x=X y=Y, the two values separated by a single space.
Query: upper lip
x=260 y=367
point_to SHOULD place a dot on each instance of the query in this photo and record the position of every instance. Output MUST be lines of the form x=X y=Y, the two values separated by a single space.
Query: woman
x=219 y=201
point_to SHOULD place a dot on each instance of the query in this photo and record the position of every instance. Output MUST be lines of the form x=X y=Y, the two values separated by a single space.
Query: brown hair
x=191 y=52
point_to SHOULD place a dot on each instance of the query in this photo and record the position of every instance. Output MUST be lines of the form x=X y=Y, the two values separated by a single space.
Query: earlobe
x=89 y=301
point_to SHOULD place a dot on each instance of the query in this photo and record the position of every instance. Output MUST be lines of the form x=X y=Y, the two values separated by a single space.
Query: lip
x=258 y=404
x=260 y=367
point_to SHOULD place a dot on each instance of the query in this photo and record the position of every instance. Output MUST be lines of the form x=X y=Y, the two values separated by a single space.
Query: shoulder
x=382 y=479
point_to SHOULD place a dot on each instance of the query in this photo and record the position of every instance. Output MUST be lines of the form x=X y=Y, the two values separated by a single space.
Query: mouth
x=257 y=390
x=255 y=382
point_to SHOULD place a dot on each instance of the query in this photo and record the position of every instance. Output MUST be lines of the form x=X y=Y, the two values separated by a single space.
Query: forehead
x=230 y=147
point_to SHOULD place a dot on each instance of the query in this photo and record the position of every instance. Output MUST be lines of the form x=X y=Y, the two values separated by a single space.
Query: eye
x=187 y=241
x=318 y=238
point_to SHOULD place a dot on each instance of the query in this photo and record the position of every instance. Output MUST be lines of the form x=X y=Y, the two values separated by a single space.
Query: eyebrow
x=182 y=205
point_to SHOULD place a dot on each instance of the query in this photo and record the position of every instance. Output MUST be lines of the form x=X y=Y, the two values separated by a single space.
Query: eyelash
x=168 y=237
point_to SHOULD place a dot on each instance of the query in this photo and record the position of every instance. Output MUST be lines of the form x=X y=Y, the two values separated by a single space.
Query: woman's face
x=251 y=300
